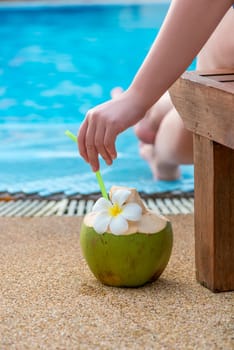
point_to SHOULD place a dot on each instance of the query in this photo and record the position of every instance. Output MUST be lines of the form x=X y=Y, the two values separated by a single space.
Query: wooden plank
x=206 y=107
x=214 y=78
x=214 y=214
x=223 y=78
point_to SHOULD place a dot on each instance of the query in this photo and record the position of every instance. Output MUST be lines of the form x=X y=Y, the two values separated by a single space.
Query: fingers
x=96 y=137
x=109 y=142
x=90 y=147
x=101 y=145
x=81 y=141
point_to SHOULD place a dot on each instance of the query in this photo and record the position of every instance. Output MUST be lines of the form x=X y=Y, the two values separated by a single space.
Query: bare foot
x=160 y=171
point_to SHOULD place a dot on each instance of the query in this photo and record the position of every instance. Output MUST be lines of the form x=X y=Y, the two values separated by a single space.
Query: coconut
x=133 y=258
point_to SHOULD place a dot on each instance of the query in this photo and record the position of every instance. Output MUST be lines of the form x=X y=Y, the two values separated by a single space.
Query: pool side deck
x=50 y=299
x=22 y=205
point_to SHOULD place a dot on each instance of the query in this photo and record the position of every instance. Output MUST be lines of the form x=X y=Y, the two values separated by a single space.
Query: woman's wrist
x=139 y=99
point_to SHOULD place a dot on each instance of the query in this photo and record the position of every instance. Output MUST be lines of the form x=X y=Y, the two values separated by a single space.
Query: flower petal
x=132 y=211
x=102 y=204
x=120 y=196
x=118 y=225
x=101 y=222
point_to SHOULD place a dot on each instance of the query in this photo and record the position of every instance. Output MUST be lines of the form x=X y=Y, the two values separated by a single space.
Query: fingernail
x=94 y=169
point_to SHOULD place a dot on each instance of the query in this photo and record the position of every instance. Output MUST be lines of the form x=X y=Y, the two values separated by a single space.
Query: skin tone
x=218 y=52
x=165 y=143
x=186 y=28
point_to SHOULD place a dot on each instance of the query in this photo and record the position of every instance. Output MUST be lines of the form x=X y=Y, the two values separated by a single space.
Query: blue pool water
x=56 y=63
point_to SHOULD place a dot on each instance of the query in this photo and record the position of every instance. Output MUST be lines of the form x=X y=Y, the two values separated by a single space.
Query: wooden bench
x=205 y=102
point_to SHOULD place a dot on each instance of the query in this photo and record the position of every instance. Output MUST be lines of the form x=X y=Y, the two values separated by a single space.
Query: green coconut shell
x=127 y=260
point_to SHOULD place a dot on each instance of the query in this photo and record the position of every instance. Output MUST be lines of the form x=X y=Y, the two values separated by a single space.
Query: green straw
x=97 y=173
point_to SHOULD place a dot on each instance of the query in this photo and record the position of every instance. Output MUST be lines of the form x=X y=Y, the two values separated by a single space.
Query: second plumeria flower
x=115 y=214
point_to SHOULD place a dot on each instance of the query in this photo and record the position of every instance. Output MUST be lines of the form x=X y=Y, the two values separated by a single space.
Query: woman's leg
x=147 y=128
x=173 y=146
x=170 y=144
x=218 y=52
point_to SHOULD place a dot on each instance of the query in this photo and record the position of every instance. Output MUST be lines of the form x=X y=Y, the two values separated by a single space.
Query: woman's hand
x=102 y=124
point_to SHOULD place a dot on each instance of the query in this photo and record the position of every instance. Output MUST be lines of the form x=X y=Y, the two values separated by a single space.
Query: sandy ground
x=50 y=300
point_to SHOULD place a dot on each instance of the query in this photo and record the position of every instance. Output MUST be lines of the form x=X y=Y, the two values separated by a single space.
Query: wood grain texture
x=206 y=106
x=214 y=214
x=205 y=101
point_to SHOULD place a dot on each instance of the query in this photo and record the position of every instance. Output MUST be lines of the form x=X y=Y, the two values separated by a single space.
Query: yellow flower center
x=115 y=210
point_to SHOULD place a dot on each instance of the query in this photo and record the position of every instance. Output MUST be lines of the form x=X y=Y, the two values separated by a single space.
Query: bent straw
x=97 y=173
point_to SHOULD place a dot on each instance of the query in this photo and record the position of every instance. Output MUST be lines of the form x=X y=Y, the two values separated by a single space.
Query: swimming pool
x=56 y=63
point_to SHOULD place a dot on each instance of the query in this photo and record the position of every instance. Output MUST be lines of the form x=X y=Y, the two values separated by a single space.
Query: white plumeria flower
x=115 y=213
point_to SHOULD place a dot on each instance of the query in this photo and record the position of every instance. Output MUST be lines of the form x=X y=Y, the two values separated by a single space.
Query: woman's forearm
x=187 y=26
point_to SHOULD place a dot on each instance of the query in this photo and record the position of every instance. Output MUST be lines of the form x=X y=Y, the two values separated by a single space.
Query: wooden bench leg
x=214 y=214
